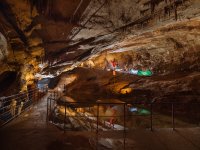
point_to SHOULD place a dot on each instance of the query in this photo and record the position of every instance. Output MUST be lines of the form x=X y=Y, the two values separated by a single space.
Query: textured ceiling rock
x=3 y=47
x=102 y=36
x=169 y=49
x=60 y=35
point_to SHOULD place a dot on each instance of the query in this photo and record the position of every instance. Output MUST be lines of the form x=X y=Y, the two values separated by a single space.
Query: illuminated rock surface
x=76 y=42
x=138 y=34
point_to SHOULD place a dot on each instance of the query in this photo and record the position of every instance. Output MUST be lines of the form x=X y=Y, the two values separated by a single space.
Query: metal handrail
x=19 y=93
x=15 y=95
x=20 y=100
x=51 y=101
x=29 y=98
x=125 y=104
x=117 y=103
x=10 y=119
x=22 y=96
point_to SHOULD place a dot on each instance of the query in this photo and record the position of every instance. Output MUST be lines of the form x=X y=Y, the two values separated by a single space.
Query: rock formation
x=43 y=39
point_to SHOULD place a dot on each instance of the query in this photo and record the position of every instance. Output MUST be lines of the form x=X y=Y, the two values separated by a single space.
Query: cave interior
x=114 y=64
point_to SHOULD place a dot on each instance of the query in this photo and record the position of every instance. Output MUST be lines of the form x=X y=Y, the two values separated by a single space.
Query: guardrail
x=14 y=105
x=88 y=116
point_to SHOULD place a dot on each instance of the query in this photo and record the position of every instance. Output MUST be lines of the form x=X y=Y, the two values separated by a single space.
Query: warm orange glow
x=126 y=90
x=69 y=111
x=70 y=79
x=118 y=86
x=114 y=73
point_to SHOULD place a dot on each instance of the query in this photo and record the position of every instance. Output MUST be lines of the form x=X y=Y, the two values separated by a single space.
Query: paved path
x=30 y=132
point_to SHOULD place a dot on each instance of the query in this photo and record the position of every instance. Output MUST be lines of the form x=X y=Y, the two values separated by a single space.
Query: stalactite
x=154 y=3
x=175 y=12
x=170 y=5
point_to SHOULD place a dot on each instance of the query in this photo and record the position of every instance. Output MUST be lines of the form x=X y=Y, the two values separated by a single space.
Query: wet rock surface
x=158 y=87
x=179 y=88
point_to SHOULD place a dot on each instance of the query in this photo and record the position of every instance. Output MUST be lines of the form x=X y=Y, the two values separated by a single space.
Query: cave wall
x=153 y=38
x=21 y=49
x=104 y=17
x=48 y=39
x=34 y=30
x=166 y=50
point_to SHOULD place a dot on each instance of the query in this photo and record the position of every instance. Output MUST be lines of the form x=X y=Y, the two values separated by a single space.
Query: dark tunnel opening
x=7 y=79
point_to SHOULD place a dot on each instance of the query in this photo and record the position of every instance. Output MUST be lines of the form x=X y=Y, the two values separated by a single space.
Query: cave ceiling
x=65 y=33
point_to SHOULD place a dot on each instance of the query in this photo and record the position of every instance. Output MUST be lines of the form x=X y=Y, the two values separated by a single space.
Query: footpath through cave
x=31 y=131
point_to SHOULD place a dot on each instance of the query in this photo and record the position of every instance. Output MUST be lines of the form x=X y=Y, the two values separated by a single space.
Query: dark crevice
x=84 y=55
x=31 y=26
x=10 y=18
x=7 y=79
x=67 y=48
x=42 y=6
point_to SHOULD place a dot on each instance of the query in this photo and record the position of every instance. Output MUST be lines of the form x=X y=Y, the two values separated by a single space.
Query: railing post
x=33 y=96
x=47 y=118
x=54 y=94
x=50 y=105
x=90 y=121
x=50 y=108
x=173 y=125
x=151 y=116
x=124 y=126
x=37 y=95
x=65 y=117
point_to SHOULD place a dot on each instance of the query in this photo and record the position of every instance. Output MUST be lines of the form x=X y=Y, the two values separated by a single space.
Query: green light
x=143 y=112
x=144 y=73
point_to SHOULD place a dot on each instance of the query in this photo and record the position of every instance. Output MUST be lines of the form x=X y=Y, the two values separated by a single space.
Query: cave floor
x=30 y=131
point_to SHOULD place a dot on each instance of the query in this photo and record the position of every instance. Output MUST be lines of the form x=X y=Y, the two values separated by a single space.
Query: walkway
x=31 y=132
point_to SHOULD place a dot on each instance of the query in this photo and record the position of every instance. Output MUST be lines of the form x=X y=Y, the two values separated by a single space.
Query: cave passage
x=99 y=74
